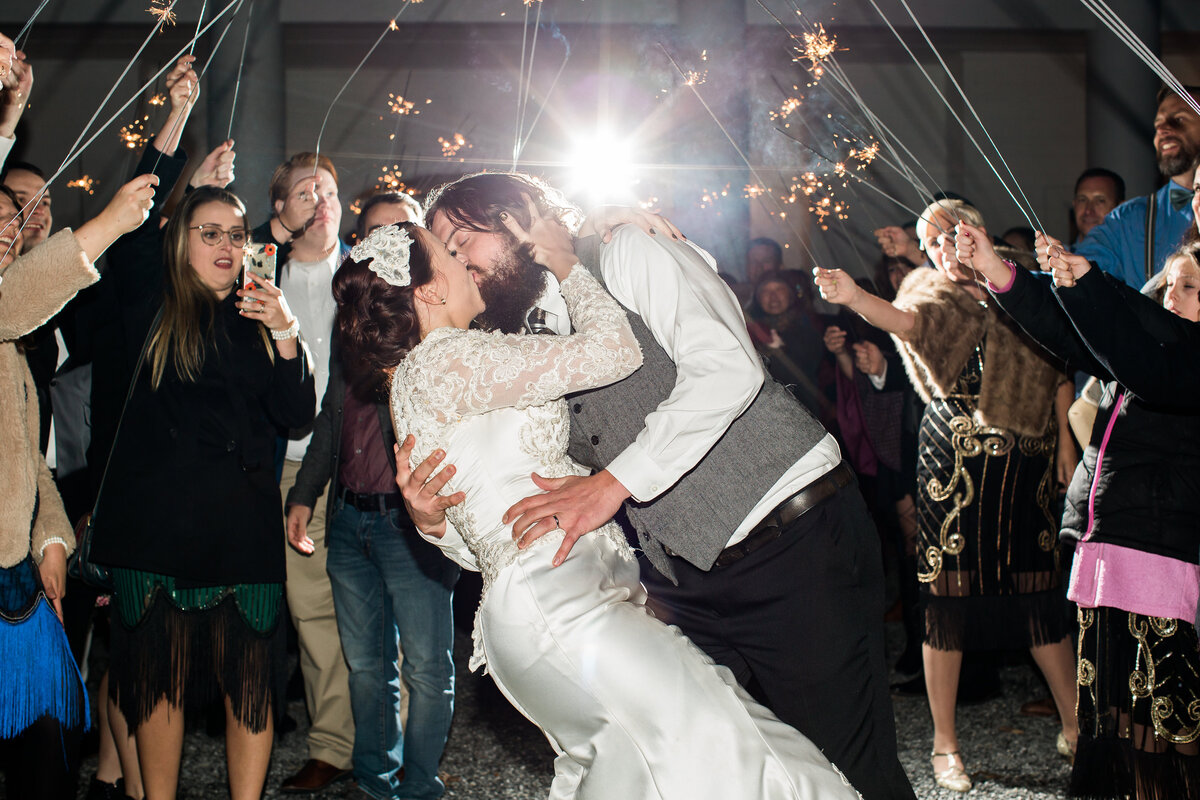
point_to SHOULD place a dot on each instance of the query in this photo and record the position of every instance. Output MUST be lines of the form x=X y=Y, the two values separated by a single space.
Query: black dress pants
x=800 y=621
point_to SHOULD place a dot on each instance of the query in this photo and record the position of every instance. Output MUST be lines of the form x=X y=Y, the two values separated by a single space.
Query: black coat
x=191 y=490
x=1148 y=492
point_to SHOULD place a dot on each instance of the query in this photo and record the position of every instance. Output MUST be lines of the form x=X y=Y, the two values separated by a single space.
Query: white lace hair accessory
x=388 y=248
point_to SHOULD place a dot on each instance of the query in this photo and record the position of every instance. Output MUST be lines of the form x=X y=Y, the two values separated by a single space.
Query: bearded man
x=1119 y=244
x=755 y=540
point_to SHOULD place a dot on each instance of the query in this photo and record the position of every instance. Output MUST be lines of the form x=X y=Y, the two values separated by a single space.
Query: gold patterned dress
x=988 y=559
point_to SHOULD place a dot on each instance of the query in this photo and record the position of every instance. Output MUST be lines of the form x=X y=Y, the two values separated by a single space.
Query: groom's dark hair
x=473 y=202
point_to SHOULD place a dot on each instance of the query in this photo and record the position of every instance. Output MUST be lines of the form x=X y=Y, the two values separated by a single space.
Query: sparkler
x=163 y=11
x=28 y=25
x=391 y=26
x=84 y=183
x=77 y=149
x=133 y=135
x=398 y=105
x=158 y=100
x=817 y=49
x=451 y=145
x=1026 y=209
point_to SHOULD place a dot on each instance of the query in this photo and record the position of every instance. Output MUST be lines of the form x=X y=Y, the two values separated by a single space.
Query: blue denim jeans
x=390 y=586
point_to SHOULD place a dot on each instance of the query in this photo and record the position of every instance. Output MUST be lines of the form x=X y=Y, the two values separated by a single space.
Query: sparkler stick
x=203 y=70
x=542 y=106
x=753 y=172
x=1033 y=221
x=880 y=130
x=537 y=21
x=520 y=75
x=866 y=183
x=971 y=108
x=1114 y=23
x=237 y=85
x=77 y=149
x=199 y=22
x=29 y=24
x=391 y=26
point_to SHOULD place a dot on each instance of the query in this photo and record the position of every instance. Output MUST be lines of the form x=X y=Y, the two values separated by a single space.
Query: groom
x=758 y=542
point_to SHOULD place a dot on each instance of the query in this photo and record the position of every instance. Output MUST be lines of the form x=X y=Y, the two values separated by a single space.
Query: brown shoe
x=314 y=776
x=1042 y=707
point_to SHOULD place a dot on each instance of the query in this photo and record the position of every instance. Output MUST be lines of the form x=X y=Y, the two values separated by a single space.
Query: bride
x=632 y=708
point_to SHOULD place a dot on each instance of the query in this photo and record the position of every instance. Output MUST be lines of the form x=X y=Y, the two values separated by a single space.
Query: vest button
x=577 y=407
x=230 y=446
x=595 y=440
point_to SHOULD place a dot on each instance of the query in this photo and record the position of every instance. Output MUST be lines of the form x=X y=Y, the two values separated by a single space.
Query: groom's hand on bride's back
x=575 y=504
x=419 y=487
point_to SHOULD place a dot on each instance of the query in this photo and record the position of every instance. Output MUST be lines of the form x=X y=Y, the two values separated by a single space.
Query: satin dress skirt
x=632 y=708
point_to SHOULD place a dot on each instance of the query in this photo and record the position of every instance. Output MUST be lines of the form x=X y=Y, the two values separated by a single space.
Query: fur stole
x=1019 y=380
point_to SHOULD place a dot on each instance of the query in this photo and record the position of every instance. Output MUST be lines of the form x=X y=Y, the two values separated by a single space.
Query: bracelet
x=53 y=540
x=290 y=332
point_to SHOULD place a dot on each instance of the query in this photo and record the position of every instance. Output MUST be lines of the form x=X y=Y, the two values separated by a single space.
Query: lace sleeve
x=475 y=371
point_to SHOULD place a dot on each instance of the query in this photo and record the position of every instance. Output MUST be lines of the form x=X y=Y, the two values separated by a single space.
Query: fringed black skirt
x=190 y=645
x=1138 y=707
x=988 y=560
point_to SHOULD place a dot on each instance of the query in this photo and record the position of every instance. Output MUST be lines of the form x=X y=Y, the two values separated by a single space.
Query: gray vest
x=696 y=516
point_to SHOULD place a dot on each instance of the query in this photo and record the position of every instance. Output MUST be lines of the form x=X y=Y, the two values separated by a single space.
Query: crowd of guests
x=223 y=421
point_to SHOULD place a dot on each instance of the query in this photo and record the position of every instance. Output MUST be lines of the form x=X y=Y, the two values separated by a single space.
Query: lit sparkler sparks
x=85 y=183
x=710 y=197
x=452 y=145
x=398 y=105
x=163 y=11
x=818 y=47
x=822 y=203
x=785 y=110
x=134 y=135
x=753 y=190
x=389 y=180
x=864 y=155
x=158 y=100
x=649 y=204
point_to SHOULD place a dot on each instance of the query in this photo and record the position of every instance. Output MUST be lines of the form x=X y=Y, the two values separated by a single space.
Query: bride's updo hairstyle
x=376 y=322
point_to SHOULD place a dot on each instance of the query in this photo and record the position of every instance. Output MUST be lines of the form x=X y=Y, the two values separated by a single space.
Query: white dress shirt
x=6 y=146
x=692 y=314
x=308 y=287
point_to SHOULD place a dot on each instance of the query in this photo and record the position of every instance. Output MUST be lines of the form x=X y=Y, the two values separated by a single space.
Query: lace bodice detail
x=493 y=403
x=460 y=372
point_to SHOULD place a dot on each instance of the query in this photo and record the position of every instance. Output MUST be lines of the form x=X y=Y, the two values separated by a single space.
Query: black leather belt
x=773 y=524
x=370 y=502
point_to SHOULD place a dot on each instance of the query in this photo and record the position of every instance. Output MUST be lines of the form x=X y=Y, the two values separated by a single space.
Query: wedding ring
x=557 y=524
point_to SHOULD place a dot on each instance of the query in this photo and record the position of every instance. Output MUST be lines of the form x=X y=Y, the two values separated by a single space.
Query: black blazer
x=191 y=489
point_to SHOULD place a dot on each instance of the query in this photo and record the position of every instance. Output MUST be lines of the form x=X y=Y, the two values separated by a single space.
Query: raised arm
x=1146 y=348
x=1027 y=298
x=839 y=288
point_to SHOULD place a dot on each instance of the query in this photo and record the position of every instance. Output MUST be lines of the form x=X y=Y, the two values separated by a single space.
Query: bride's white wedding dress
x=632 y=708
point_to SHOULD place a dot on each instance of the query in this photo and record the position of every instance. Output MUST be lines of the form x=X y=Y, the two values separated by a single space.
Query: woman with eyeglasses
x=188 y=515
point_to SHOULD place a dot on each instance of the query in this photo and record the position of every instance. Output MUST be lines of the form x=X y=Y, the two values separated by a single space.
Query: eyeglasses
x=213 y=235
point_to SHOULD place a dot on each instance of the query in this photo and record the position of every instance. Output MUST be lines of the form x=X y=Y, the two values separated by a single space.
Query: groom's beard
x=510 y=290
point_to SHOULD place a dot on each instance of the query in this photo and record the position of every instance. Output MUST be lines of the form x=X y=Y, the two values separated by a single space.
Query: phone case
x=259 y=262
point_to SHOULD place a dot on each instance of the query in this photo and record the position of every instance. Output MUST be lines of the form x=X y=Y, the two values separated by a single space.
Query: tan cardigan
x=1017 y=390
x=33 y=289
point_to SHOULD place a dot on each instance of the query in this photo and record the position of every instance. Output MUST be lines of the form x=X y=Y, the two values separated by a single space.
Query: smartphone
x=258 y=262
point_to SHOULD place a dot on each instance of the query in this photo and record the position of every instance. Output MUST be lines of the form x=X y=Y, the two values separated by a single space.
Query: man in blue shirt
x=1118 y=245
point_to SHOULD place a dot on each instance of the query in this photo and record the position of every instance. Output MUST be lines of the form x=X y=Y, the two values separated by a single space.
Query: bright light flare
x=602 y=167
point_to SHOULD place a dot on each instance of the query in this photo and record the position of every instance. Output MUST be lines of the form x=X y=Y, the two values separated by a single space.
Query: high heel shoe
x=954 y=777
x=1064 y=747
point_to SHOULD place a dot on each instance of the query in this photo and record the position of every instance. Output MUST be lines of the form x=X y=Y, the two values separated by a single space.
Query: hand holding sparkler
x=835 y=340
x=1062 y=264
x=836 y=286
x=124 y=213
x=183 y=88
x=183 y=85
x=603 y=219
x=217 y=167
x=893 y=241
x=868 y=358
x=17 y=84
x=973 y=249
